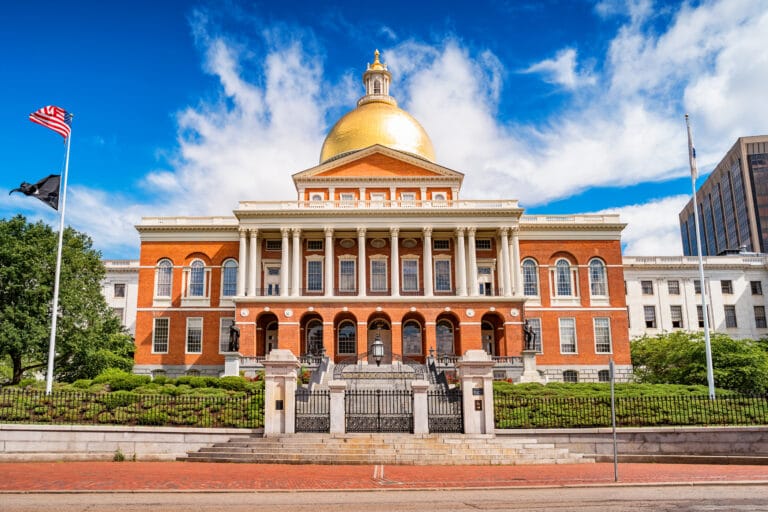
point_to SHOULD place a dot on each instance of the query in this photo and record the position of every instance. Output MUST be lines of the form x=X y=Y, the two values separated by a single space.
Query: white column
x=461 y=264
x=423 y=191
x=395 y=270
x=505 y=266
x=362 y=196
x=241 y=265
x=284 y=262
x=296 y=264
x=362 y=287
x=427 y=264
x=473 y=291
x=517 y=273
x=253 y=264
x=329 y=262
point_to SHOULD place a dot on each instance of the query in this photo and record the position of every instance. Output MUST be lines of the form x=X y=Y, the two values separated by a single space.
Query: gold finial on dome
x=377 y=120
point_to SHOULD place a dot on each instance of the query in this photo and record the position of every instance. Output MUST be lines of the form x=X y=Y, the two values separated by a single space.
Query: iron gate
x=444 y=410
x=378 y=410
x=313 y=410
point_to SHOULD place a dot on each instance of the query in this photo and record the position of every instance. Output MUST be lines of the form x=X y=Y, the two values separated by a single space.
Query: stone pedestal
x=280 y=372
x=476 y=376
x=338 y=418
x=231 y=364
x=420 y=407
x=530 y=374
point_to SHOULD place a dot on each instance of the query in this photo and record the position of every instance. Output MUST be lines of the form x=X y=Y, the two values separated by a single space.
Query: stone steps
x=439 y=449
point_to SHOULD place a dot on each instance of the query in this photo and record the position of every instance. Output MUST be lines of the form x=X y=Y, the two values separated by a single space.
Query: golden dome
x=377 y=120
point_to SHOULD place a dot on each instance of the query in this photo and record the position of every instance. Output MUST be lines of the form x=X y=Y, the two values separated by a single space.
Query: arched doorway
x=413 y=337
x=312 y=335
x=380 y=326
x=492 y=334
x=266 y=334
x=345 y=329
x=446 y=337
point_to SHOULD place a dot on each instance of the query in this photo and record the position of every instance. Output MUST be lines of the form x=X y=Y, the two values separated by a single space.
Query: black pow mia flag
x=46 y=190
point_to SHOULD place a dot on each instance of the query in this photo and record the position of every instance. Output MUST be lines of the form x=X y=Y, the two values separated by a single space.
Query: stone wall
x=86 y=442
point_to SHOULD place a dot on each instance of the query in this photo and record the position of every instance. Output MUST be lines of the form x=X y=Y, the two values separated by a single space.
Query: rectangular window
x=602 y=335
x=119 y=312
x=442 y=275
x=346 y=200
x=647 y=287
x=676 y=314
x=697 y=286
x=726 y=286
x=650 y=316
x=730 y=317
x=673 y=287
x=194 y=335
x=160 y=334
x=567 y=335
x=700 y=316
x=314 y=245
x=119 y=289
x=274 y=245
x=757 y=287
x=483 y=244
x=379 y=275
x=315 y=275
x=440 y=244
x=410 y=275
x=535 y=324
x=347 y=275
x=408 y=198
x=760 y=322
x=226 y=323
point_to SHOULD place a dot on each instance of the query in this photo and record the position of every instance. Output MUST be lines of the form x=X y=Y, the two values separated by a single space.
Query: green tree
x=679 y=358
x=89 y=337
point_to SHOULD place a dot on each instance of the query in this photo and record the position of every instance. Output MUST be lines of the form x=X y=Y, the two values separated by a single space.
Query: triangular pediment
x=378 y=163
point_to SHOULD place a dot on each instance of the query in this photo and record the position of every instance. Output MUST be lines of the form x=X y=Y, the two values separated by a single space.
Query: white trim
x=167 y=341
x=221 y=321
x=610 y=333
x=575 y=336
x=186 y=335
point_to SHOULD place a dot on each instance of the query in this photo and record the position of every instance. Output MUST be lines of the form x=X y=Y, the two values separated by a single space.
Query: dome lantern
x=376 y=80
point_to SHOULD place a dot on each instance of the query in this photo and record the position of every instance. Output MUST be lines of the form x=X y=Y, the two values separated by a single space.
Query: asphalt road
x=663 y=498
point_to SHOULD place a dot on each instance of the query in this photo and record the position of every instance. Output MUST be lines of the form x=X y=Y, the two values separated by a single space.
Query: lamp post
x=377 y=349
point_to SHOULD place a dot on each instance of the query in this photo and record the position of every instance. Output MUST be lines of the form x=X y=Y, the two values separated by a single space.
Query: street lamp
x=377 y=349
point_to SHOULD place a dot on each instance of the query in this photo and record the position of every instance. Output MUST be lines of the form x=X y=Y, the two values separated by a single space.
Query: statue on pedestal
x=529 y=336
x=234 y=338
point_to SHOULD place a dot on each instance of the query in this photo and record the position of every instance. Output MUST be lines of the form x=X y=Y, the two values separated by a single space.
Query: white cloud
x=652 y=227
x=562 y=70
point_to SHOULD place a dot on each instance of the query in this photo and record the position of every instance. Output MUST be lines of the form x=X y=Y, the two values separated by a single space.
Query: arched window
x=445 y=338
x=563 y=283
x=412 y=338
x=163 y=275
x=597 y=282
x=530 y=278
x=376 y=87
x=314 y=337
x=197 y=279
x=347 y=338
x=571 y=376
x=229 y=278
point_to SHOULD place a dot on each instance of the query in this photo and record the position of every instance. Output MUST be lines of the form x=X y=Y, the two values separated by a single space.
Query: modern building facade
x=733 y=203
x=379 y=244
x=120 y=288
x=664 y=294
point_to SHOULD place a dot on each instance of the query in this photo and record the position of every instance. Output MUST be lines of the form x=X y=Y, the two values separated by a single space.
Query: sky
x=187 y=107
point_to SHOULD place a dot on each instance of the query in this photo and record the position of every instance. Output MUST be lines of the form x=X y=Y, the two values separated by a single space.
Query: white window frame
x=321 y=273
x=346 y=199
x=755 y=309
x=607 y=326
x=224 y=334
x=338 y=341
x=186 y=280
x=646 y=309
x=649 y=291
x=535 y=277
x=491 y=265
x=273 y=245
x=167 y=336
x=409 y=260
x=408 y=199
x=371 y=280
x=561 y=325
x=601 y=297
x=672 y=314
x=347 y=259
x=187 y=333
x=157 y=299
x=564 y=300
x=726 y=309
x=223 y=275
x=571 y=372
x=673 y=289
x=377 y=199
x=447 y=260
x=436 y=241
x=535 y=323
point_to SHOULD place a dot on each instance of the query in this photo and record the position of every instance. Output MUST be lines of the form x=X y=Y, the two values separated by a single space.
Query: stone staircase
x=406 y=449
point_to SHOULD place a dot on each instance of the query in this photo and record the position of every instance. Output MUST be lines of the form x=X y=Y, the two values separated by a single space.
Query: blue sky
x=186 y=107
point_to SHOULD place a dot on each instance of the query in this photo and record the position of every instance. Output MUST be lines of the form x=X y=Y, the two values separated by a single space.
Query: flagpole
x=705 y=314
x=55 y=311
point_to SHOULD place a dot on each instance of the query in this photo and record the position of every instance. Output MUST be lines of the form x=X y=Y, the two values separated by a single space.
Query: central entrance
x=380 y=328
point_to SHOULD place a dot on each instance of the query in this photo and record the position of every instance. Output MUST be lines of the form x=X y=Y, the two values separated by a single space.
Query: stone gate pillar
x=280 y=373
x=476 y=374
x=420 y=389
x=338 y=414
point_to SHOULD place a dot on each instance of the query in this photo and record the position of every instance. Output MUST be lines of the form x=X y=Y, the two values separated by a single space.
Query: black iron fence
x=648 y=411
x=313 y=410
x=128 y=408
x=378 y=410
x=444 y=410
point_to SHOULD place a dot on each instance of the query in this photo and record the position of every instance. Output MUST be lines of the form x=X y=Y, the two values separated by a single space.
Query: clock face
x=244 y=312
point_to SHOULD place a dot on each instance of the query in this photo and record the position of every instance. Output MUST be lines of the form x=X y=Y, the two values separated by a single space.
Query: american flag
x=55 y=118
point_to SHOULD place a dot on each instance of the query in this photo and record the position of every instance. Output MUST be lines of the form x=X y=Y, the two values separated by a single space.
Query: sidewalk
x=184 y=476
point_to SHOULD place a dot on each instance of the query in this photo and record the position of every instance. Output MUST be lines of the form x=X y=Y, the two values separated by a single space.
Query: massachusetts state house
x=379 y=243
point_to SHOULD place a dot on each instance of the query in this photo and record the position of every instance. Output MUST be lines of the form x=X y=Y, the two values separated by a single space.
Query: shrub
x=121 y=380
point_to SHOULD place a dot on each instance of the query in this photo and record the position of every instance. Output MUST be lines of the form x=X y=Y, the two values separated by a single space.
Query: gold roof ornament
x=377 y=120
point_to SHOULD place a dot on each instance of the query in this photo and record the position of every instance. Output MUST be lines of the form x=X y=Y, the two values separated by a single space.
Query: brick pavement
x=165 y=476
